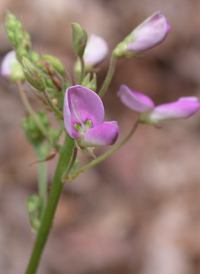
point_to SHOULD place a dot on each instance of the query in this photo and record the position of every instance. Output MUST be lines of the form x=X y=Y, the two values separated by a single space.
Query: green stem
x=52 y=106
x=42 y=180
x=56 y=189
x=71 y=164
x=106 y=155
x=32 y=112
x=109 y=76
x=82 y=70
x=67 y=77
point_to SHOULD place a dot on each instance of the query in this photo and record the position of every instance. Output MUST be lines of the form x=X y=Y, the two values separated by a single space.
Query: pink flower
x=150 y=33
x=147 y=35
x=11 y=68
x=83 y=117
x=184 y=107
x=96 y=50
x=8 y=61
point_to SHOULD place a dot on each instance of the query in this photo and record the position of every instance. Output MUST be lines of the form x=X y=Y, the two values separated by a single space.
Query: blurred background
x=139 y=211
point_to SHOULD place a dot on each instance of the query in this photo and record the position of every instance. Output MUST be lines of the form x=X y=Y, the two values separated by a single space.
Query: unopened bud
x=79 y=39
x=34 y=56
x=33 y=133
x=55 y=62
x=33 y=75
x=11 y=68
x=32 y=204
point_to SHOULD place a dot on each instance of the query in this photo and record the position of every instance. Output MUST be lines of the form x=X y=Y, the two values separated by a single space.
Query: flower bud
x=33 y=75
x=34 y=56
x=21 y=52
x=32 y=204
x=55 y=62
x=33 y=133
x=96 y=50
x=147 y=35
x=79 y=39
x=11 y=68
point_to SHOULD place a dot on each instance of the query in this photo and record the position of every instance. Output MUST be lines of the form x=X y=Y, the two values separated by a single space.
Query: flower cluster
x=83 y=110
x=78 y=103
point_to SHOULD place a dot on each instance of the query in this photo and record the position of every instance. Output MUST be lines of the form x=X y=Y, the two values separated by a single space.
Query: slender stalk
x=82 y=70
x=71 y=164
x=32 y=112
x=68 y=78
x=42 y=180
x=106 y=155
x=56 y=189
x=52 y=106
x=109 y=77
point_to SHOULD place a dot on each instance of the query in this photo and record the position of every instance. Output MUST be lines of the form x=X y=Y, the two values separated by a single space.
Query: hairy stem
x=42 y=180
x=56 y=189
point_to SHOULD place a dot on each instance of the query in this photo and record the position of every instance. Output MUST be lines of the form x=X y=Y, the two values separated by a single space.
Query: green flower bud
x=55 y=62
x=17 y=73
x=33 y=75
x=33 y=133
x=12 y=23
x=34 y=56
x=32 y=204
x=21 y=52
x=19 y=37
x=79 y=39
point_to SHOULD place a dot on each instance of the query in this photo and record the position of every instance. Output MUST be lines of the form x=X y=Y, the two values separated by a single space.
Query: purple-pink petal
x=150 y=33
x=8 y=61
x=96 y=50
x=183 y=108
x=102 y=135
x=81 y=104
x=134 y=100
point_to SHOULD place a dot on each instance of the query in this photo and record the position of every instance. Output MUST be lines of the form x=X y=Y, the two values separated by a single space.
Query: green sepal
x=86 y=80
x=34 y=56
x=33 y=75
x=55 y=62
x=121 y=49
x=93 y=83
